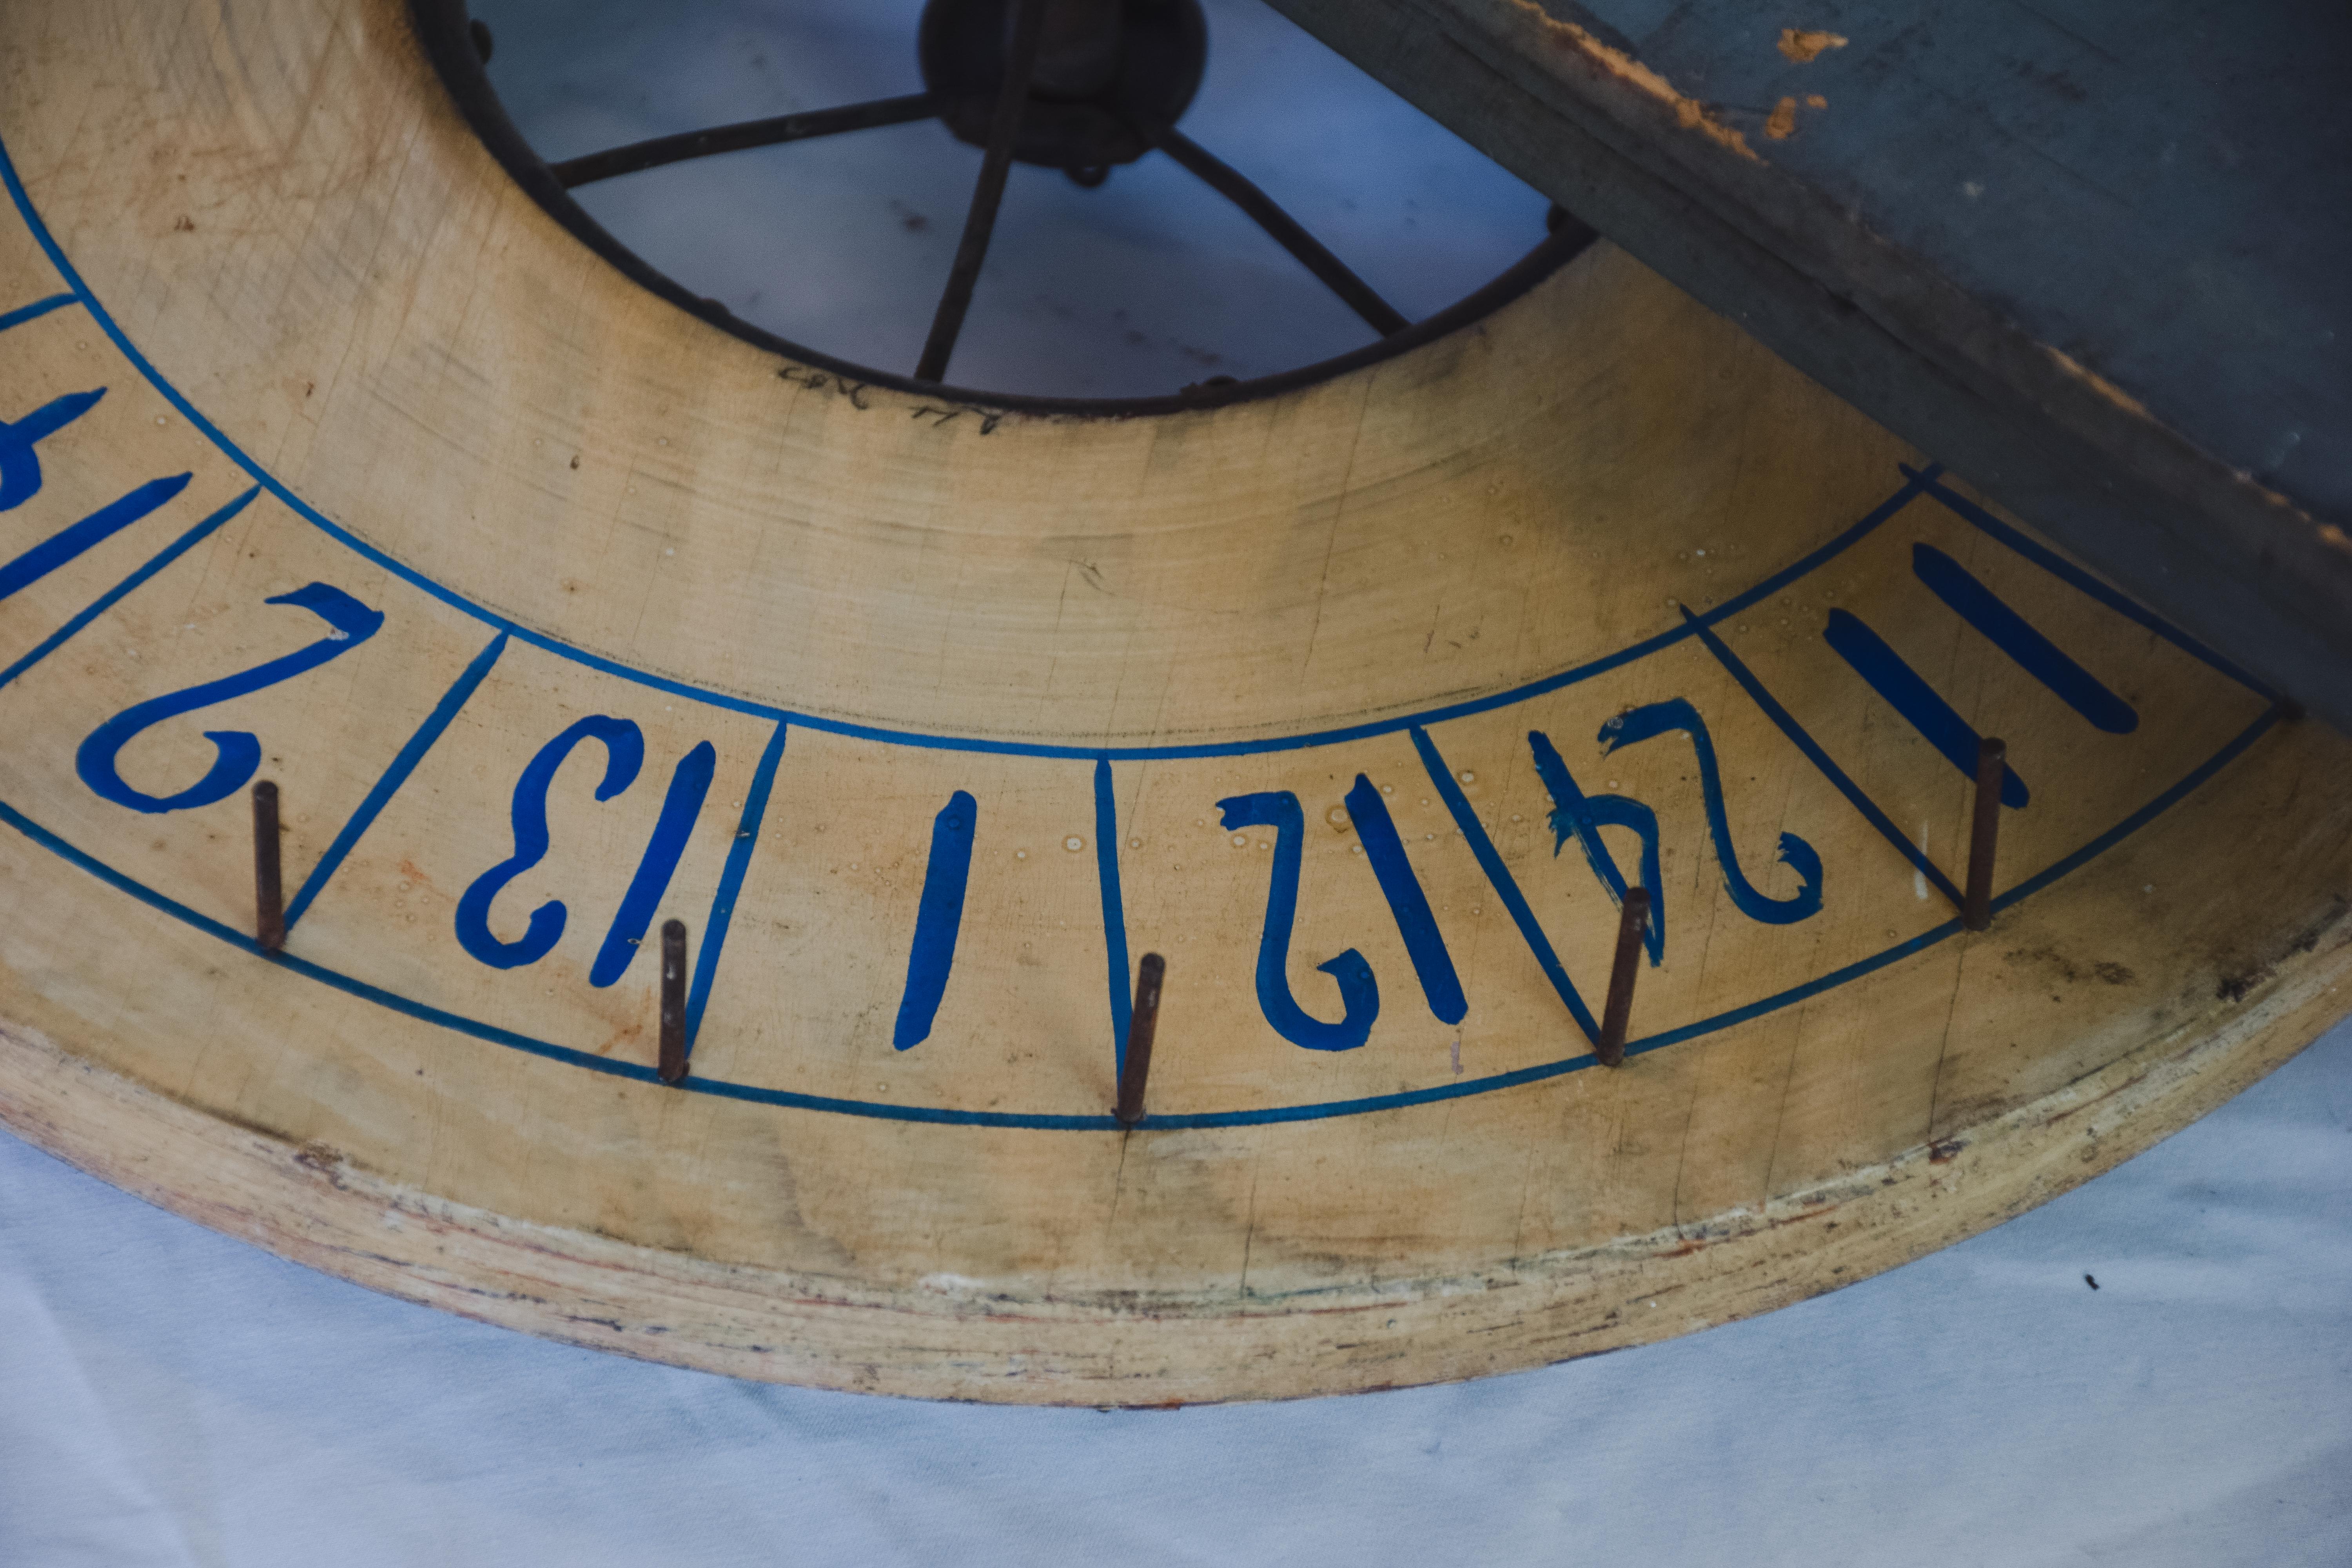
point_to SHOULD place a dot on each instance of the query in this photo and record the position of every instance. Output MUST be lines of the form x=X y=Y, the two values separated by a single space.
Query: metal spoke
x=1228 y=182
x=577 y=172
x=981 y=221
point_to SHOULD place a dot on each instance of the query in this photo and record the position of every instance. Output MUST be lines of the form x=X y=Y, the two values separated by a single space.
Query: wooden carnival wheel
x=557 y=612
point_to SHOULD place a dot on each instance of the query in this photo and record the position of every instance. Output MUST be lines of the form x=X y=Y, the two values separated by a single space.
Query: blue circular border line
x=1106 y=1123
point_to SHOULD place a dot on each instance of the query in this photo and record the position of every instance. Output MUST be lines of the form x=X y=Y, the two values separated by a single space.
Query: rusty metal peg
x=1632 y=924
x=1136 y=1065
x=673 y=1002
x=1992 y=764
x=268 y=887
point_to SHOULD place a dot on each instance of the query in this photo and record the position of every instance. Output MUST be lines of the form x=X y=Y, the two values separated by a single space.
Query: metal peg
x=1145 y=1021
x=1992 y=764
x=1632 y=923
x=673 y=1002
x=269 y=890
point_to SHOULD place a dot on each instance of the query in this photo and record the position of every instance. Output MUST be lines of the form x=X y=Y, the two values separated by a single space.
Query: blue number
x=20 y=481
x=1892 y=677
x=1360 y=993
x=20 y=466
x=239 y=755
x=938 y=919
x=1422 y=943
x=1664 y=718
x=95 y=529
x=1582 y=815
x=624 y=753
x=2014 y=635
x=688 y=783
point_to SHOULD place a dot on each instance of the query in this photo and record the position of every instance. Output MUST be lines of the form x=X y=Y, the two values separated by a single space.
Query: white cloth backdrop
x=168 y=1397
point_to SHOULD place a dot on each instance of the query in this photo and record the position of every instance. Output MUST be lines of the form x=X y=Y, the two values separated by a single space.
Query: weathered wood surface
x=2096 y=257
x=1362 y=703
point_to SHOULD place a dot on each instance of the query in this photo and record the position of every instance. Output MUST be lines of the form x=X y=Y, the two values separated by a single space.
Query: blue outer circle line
x=1040 y=1121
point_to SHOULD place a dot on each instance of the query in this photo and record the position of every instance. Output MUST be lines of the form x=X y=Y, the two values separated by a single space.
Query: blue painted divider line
x=1828 y=769
x=2067 y=571
x=731 y=885
x=1043 y=1122
x=36 y=309
x=114 y=595
x=1506 y=887
x=1114 y=911
x=403 y=765
x=1915 y=483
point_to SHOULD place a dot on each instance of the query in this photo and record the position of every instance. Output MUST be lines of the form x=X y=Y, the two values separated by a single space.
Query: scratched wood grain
x=555 y=613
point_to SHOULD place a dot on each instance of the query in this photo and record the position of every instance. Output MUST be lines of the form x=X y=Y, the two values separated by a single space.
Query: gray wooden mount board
x=2095 y=257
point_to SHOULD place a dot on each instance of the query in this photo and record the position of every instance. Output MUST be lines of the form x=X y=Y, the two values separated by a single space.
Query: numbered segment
x=921 y=928
x=1662 y=774
x=519 y=876
x=1327 y=936
x=1774 y=914
x=73 y=419
x=264 y=649
x=1893 y=658
x=496 y=831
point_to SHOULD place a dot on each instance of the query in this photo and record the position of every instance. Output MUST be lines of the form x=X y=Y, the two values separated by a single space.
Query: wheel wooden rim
x=1086 y=658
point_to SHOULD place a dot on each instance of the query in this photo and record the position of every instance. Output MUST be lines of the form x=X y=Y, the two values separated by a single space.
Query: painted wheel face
x=556 y=614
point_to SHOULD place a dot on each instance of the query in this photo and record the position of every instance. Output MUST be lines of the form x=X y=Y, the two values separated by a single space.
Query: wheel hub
x=1105 y=69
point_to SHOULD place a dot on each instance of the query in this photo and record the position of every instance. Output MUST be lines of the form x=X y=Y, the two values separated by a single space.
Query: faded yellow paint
x=2099 y=384
x=1803 y=46
x=1689 y=112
